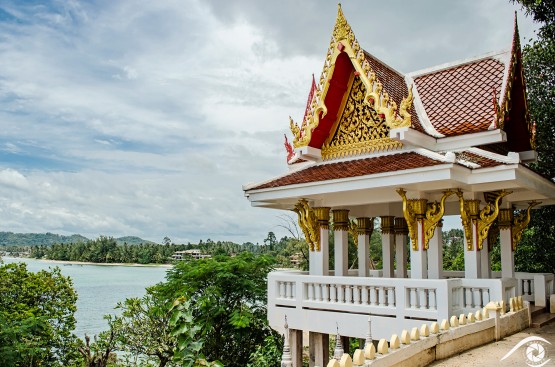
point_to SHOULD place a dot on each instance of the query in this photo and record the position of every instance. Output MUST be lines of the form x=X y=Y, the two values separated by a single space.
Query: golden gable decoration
x=343 y=40
x=360 y=128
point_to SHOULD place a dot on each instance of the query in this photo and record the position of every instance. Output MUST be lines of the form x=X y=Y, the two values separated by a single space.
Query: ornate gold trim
x=365 y=225
x=343 y=40
x=309 y=224
x=487 y=216
x=387 y=224
x=353 y=231
x=469 y=210
x=505 y=218
x=413 y=211
x=323 y=216
x=401 y=226
x=520 y=223
x=434 y=214
x=340 y=219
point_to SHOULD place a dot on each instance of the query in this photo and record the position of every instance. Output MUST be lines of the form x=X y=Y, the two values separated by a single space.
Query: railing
x=535 y=287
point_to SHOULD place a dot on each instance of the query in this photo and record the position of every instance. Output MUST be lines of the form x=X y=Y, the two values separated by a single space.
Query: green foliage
x=35 y=239
x=228 y=299
x=536 y=251
x=36 y=317
x=268 y=354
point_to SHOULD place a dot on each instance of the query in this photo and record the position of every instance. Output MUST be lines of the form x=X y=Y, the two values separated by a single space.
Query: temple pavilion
x=408 y=149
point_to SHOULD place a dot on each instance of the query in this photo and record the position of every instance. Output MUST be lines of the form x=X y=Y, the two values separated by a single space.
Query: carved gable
x=360 y=129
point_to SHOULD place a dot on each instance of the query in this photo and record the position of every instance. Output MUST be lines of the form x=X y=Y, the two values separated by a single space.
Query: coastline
x=67 y=262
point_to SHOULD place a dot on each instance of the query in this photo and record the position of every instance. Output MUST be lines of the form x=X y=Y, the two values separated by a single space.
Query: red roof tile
x=459 y=100
x=354 y=168
x=393 y=83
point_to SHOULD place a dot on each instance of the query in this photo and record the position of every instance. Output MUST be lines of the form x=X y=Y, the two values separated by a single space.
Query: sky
x=145 y=118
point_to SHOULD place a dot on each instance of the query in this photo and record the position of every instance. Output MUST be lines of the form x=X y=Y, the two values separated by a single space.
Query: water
x=100 y=288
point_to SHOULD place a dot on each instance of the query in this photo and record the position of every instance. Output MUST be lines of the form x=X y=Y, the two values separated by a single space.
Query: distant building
x=195 y=254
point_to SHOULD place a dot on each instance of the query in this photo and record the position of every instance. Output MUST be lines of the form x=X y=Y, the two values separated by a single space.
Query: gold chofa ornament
x=309 y=224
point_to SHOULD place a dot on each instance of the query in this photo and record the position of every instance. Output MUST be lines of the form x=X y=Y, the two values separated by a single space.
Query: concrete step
x=537 y=310
x=542 y=319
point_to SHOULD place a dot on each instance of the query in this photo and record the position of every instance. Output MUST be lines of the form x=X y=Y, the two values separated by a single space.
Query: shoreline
x=68 y=262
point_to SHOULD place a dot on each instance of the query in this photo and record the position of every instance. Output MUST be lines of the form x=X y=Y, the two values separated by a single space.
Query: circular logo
x=535 y=353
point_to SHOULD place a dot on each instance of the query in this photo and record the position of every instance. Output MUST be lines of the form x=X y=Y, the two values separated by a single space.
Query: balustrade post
x=381 y=296
x=413 y=300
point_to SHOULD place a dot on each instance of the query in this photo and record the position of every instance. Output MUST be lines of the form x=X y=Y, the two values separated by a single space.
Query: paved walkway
x=490 y=355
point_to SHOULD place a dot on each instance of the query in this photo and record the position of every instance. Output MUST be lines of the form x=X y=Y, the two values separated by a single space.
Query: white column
x=506 y=242
x=418 y=256
x=364 y=232
x=435 y=253
x=472 y=257
x=388 y=246
x=401 y=240
x=341 y=241
x=485 y=261
x=319 y=258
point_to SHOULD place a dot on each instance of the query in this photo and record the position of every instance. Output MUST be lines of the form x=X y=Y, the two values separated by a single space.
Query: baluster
x=478 y=298
x=391 y=296
x=310 y=291
x=486 y=296
x=326 y=291
x=281 y=290
x=412 y=297
x=333 y=293
x=529 y=287
x=423 y=298
x=468 y=297
x=293 y=290
x=356 y=294
x=373 y=296
x=318 y=292
x=365 y=295
x=381 y=296
x=432 y=300
x=348 y=293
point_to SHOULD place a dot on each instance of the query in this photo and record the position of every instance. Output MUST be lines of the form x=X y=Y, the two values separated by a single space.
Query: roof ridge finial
x=286 y=357
x=342 y=28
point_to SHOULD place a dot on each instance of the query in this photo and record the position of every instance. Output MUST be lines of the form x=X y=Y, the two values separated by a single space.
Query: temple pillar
x=401 y=241
x=296 y=345
x=506 y=243
x=485 y=261
x=435 y=253
x=319 y=258
x=418 y=255
x=365 y=226
x=472 y=257
x=318 y=349
x=388 y=243
x=341 y=241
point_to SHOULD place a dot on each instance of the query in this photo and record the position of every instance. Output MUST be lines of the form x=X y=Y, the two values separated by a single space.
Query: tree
x=536 y=251
x=228 y=299
x=36 y=317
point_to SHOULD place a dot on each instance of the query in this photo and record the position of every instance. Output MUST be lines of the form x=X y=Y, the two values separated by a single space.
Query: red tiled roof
x=459 y=100
x=393 y=83
x=354 y=168
x=483 y=162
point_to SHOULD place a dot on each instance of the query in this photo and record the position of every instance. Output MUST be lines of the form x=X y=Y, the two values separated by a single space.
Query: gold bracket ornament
x=487 y=216
x=414 y=210
x=353 y=231
x=343 y=40
x=521 y=222
x=469 y=212
x=309 y=224
x=434 y=214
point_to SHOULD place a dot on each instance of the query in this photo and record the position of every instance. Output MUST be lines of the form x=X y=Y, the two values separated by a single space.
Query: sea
x=100 y=288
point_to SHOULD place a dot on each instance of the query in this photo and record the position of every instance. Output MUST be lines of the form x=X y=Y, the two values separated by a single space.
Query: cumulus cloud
x=146 y=117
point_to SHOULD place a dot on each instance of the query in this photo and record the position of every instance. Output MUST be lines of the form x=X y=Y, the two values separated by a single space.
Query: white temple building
x=408 y=149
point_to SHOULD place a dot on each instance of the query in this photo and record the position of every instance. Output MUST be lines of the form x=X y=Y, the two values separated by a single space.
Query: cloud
x=146 y=117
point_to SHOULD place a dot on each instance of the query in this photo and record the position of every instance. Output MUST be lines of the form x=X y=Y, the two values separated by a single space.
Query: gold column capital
x=387 y=224
x=505 y=218
x=340 y=219
x=365 y=225
x=401 y=226
x=323 y=216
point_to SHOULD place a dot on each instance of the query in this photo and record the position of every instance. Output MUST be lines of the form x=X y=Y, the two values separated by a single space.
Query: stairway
x=541 y=316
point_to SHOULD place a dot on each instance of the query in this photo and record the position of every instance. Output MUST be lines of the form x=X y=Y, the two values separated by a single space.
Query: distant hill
x=131 y=240
x=36 y=239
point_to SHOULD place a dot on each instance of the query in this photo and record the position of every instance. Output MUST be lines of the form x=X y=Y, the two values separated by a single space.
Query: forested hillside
x=35 y=239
